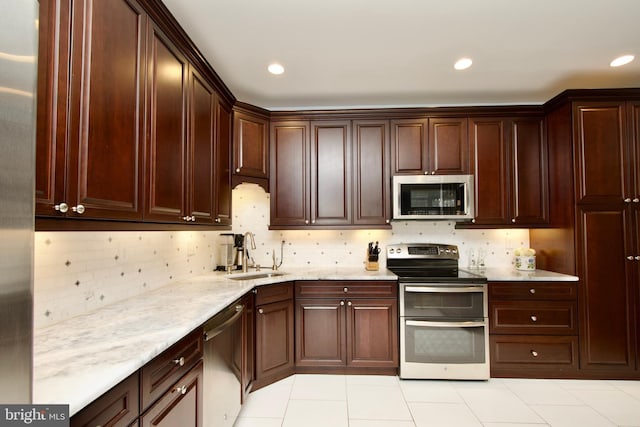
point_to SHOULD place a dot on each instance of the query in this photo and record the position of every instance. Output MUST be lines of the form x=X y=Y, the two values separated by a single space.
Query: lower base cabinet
x=274 y=356
x=179 y=406
x=346 y=327
x=533 y=329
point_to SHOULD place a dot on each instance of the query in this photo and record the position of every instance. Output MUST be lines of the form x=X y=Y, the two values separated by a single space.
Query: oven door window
x=442 y=302
x=444 y=342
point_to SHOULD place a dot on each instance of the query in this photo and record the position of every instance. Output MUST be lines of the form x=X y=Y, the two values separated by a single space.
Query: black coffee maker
x=238 y=243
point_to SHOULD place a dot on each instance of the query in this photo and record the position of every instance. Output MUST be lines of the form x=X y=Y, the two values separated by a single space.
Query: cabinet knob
x=306 y=221
x=193 y=218
x=433 y=172
x=181 y=390
x=387 y=221
x=532 y=291
x=62 y=207
x=217 y=220
x=627 y=200
x=473 y=220
x=637 y=257
x=179 y=361
x=534 y=353
x=630 y=258
x=260 y=311
x=237 y=170
x=534 y=318
x=513 y=220
x=78 y=209
x=346 y=290
x=313 y=221
x=426 y=172
x=636 y=200
x=341 y=302
x=349 y=303
x=185 y=218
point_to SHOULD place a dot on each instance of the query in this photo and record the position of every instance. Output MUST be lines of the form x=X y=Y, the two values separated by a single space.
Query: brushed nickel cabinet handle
x=62 y=207
x=78 y=209
x=179 y=361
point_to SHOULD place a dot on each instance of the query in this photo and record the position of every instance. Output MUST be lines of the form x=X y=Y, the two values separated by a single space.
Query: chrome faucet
x=245 y=252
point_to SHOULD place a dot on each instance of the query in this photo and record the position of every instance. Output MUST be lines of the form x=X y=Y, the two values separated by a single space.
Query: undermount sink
x=252 y=276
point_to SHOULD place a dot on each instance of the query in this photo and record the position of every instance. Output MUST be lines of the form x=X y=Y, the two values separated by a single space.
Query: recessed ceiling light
x=463 y=64
x=275 y=68
x=622 y=60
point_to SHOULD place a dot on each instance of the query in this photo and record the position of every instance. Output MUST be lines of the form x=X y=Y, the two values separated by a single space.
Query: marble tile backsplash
x=75 y=272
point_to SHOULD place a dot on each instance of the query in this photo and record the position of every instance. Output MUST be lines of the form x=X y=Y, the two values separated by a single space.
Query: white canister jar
x=526 y=263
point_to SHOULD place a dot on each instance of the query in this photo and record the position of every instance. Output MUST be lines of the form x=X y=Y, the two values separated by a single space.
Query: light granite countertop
x=77 y=360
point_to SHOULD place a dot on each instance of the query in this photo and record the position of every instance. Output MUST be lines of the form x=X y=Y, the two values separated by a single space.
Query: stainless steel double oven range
x=444 y=328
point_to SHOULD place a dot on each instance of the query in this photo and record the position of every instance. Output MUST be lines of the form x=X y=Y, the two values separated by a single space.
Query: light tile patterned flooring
x=385 y=401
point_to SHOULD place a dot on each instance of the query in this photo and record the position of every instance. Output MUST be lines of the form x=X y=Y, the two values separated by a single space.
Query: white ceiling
x=375 y=53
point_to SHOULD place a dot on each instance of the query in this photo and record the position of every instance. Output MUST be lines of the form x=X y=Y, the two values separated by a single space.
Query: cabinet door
x=371 y=199
x=51 y=107
x=274 y=342
x=222 y=195
x=320 y=332
x=491 y=170
x=250 y=145
x=372 y=333
x=201 y=148
x=606 y=291
x=106 y=109
x=530 y=183
x=289 y=175
x=601 y=152
x=181 y=405
x=633 y=114
x=118 y=407
x=167 y=76
x=331 y=173
x=448 y=146
x=409 y=146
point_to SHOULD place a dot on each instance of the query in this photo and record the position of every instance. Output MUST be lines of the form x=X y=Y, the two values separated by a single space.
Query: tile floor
x=383 y=401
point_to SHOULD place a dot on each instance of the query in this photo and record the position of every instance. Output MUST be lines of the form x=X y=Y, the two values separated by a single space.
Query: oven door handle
x=470 y=324
x=444 y=289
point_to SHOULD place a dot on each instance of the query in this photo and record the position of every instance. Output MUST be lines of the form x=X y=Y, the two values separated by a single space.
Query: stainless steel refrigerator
x=18 y=75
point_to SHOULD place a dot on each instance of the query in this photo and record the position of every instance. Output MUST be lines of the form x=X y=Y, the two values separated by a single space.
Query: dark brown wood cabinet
x=509 y=162
x=533 y=329
x=250 y=146
x=127 y=120
x=274 y=351
x=593 y=170
x=179 y=406
x=92 y=123
x=437 y=145
x=247 y=371
x=370 y=171
x=346 y=326
x=321 y=178
x=118 y=407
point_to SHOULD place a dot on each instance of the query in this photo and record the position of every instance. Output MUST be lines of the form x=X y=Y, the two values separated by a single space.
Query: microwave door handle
x=445 y=324
x=442 y=289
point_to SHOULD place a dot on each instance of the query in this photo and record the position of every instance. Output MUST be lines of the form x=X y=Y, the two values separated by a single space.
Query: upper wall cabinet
x=89 y=156
x=250 y=147
x=127 y=123
x=509 y=158
x=329 y=174
x=430 y=146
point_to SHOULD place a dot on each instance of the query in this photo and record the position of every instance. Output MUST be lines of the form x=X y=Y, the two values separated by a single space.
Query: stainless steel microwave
x=433 y=197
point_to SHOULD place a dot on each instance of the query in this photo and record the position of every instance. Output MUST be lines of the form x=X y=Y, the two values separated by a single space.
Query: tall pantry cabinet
x=597 y=204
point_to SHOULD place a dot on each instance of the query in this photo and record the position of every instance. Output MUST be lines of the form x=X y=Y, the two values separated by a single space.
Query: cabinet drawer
x=162 y=372
x=532 y=317
x=537 y=352
x=340 y=289
x=533 y=290
x=118 y=407
x=274 y=293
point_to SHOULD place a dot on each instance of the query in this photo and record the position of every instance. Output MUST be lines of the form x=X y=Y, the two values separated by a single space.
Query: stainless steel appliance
x=433 y=197
x=222 y=393
x=18 y=54
x=444 y=327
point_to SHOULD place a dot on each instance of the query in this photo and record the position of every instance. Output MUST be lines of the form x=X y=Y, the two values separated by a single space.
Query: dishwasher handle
x=221 y=321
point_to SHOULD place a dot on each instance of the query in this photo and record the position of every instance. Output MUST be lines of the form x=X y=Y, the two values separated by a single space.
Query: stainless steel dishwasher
x=222 y=360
